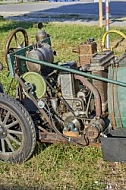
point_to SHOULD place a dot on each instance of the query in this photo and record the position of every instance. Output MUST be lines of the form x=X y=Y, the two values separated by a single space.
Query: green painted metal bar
x=71 y=70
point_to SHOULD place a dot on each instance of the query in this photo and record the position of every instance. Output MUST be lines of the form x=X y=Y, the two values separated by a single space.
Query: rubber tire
x=27 y=126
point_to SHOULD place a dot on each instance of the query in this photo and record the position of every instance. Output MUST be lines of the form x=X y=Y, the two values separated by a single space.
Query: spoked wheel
x=17 y=131
x=17 y=39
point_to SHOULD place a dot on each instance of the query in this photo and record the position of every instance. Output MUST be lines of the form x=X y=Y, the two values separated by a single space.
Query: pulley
x=38 y=83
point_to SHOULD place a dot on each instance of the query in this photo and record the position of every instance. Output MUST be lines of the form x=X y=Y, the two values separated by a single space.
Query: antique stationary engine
x=81 y=103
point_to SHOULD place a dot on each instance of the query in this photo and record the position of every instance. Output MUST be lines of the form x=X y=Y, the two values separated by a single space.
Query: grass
x=60 y=166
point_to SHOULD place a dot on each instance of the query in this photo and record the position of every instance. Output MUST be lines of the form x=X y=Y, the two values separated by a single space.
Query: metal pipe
x=107 y=24
x=97 y=98
x=70 y=70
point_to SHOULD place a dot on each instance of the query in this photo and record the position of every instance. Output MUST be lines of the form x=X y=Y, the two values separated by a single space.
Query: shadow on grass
x=40 y=146
x=119 y=20
x=12 y=25
x=18 y=187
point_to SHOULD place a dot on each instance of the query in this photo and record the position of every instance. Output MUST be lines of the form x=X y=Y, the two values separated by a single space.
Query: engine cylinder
x=43 y=53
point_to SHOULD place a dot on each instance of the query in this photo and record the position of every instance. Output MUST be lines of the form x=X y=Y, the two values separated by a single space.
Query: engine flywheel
x=38 y=83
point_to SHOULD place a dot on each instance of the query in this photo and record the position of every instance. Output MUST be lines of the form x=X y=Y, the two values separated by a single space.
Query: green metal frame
x=12 y=59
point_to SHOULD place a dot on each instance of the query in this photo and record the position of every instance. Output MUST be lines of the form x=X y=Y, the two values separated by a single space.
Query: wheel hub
x=3 y=132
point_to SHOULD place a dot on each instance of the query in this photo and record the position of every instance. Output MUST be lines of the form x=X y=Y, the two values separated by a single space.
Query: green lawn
x=60 y=166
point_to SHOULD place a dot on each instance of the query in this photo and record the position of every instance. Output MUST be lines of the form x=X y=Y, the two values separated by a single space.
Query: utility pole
x=100 y=13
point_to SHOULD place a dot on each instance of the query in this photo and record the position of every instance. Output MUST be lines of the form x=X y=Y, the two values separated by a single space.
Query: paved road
x=51 y=7
x=78 y=7
x=37 y=11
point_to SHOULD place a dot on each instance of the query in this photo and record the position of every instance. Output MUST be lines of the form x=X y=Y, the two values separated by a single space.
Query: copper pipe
x=86 y=83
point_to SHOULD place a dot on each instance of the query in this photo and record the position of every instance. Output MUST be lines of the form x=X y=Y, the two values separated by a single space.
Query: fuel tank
x=117 y=94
